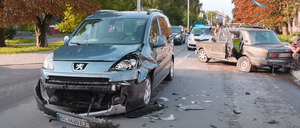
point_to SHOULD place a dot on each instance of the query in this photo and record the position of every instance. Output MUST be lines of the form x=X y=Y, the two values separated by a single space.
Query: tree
x=40 y=12
x=70 y=21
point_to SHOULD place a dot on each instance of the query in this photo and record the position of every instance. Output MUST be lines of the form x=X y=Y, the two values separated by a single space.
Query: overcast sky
x=218 y=5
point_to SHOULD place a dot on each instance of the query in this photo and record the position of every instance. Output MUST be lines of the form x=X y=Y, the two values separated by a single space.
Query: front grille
x=201 y=40
x=76 y=80
x=193 y=45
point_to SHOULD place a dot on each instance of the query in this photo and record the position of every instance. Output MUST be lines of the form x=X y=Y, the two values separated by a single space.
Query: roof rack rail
x=105 y=11
x=153 y=10
x=244 y=25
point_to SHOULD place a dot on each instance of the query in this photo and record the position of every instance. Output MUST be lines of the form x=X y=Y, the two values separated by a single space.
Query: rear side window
x=222 y=36
x=165 y=27
x=154 y=31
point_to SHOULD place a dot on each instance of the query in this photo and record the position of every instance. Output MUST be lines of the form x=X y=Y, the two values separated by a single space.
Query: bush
x=285 y=38
x=296 y=34
x=10 y=32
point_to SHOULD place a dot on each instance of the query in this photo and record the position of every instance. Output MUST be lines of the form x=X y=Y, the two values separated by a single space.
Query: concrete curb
x=24 y=58
x=296 y=74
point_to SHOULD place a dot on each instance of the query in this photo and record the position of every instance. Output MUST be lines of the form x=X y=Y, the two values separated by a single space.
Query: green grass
x=29 y=48
x=63 y=34
x=19 y=41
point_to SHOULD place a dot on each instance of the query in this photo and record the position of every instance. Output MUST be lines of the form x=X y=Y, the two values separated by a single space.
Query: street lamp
x=188 y=16
x=138 y=5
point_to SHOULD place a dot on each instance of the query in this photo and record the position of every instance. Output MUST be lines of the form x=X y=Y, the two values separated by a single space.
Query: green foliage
x=296 y=34
x=70 y=21
x=20 y=41
x=29 y=48
x=10 y=32
x=27 y=28
x=285 y=38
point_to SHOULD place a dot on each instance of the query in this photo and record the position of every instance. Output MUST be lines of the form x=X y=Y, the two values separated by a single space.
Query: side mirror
x=161 y=39
x=66 y=39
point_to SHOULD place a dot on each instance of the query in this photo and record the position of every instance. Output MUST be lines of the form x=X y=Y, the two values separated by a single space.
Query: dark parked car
x=250 y=48
x=178 y=34
x=109 y=65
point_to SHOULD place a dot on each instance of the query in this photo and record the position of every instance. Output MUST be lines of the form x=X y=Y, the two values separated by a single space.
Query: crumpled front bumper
x=92 y=121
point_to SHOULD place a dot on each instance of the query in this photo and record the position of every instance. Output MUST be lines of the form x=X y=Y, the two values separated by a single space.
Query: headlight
x=48 y=63
x=177 y=36
x=127 y=64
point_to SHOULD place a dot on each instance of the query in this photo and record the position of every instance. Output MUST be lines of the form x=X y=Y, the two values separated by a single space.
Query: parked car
x=198 y=34
x=178 y=34
x=250 y=48
x=109 y=65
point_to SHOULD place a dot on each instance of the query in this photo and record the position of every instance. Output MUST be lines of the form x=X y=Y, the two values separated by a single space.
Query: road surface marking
x=183 y=58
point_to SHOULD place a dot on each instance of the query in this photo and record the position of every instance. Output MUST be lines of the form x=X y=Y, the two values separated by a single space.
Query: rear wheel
x=171 y=72
x=202 y=56
x=244 y=64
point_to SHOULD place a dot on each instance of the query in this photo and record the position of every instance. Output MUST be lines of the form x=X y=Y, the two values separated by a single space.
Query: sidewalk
x=28 y=58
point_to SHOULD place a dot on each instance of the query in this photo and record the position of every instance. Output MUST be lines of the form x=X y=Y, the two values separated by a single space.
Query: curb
x=296 y=74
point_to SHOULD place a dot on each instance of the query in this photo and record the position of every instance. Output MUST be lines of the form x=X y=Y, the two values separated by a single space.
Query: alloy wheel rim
x=202 y=56
x=172 y=69
x=147 y=92
x=244 y=65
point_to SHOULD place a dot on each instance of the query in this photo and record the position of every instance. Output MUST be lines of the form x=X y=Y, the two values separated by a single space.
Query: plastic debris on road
x=192 y=107
x=164 y=99
x=207 y=101
x=170 y=118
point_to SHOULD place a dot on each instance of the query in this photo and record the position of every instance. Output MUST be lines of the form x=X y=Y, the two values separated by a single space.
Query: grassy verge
x=29 y=48
x=19 y=41
x=63 y=34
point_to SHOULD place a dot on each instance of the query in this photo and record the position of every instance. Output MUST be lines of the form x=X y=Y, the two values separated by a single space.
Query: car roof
x=246 y=29
x=121 y=14
x=203 y=27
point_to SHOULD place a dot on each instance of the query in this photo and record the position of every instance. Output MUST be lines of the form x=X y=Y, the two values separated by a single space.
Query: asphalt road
x=230 y=98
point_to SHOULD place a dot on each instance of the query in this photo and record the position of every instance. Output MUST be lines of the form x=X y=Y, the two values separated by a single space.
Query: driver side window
x=154 y=31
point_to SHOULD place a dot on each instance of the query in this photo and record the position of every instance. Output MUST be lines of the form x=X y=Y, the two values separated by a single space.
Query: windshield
x=110 y=31
x=201 y=31
x=263 y=37
x=176 y=29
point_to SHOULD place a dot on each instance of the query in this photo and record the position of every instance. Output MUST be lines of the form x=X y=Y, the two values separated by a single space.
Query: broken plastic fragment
x=183 y=98
x=247 y=93
x=192 y=107
x=273 y=122
x=164 y=99
x=207 y=101
x=236 y=112
x=194 y=102
x=176 y=94
x=213 y=126
x=170 y=118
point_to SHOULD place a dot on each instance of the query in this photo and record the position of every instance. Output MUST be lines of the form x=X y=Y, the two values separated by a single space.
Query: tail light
x=274 y=55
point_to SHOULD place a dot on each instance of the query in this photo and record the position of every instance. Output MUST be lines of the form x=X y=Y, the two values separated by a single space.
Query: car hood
x=94 y=52
x=201 y=36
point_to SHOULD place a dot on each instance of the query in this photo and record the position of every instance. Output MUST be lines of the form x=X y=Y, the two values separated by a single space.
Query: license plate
x=285 y=55
x=73 y=120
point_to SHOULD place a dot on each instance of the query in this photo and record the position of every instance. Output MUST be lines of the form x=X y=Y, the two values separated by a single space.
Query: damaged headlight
x=129 y=62
x=48 y=63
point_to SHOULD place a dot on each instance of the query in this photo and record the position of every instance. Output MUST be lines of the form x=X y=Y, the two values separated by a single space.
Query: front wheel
x=244 y=64
x=148 y=91
x=202 y=56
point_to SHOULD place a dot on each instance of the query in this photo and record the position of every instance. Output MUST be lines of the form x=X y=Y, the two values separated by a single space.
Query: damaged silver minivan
x=109 y=65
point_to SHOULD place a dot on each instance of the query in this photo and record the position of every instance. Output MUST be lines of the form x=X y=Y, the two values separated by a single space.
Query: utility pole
x=188 y=16
x=138 y=5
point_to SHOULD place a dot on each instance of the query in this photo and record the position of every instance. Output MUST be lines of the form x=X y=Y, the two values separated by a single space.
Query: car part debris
x=170 y=118
x=192 y=107
x=164 y=99
x=207 y=101
x=194 y=102
x=143 y=111
x=273 y=122
x=247 y=93
x=183 y=98
x=176 y=94
x=213 y=126
x=237 y=112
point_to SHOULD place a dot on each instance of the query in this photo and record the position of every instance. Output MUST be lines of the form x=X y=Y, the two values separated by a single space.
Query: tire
x=171 y=72
x=189 y=49
x=148 y=91
x=244 y=64
x=202 y=56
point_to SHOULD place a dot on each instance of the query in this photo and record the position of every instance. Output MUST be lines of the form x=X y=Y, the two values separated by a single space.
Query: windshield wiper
x=77 y=43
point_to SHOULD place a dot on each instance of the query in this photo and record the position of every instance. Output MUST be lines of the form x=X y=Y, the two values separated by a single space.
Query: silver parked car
x=198 y=34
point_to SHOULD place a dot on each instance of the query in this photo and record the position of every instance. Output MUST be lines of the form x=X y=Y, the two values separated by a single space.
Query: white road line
x=183 y=58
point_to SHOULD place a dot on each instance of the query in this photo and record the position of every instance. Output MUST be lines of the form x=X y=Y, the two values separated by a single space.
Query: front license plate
x=285 y=55
x=73 y=120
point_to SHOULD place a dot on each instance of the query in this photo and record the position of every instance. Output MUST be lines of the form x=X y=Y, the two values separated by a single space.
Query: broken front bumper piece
x=92 y=122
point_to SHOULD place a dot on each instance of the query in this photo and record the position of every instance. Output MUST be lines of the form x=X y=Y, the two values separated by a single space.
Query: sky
x=218 y=5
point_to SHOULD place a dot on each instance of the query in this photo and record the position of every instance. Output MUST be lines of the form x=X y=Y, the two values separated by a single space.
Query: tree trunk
x=2 y=38
x=290 y=23
x=285 y=29
x=41 y=28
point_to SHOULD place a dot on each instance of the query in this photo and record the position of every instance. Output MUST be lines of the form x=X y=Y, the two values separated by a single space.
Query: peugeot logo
x=79 y=66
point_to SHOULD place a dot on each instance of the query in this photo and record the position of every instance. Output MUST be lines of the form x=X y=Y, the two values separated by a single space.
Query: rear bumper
x=53 y=111
x=273 y=63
